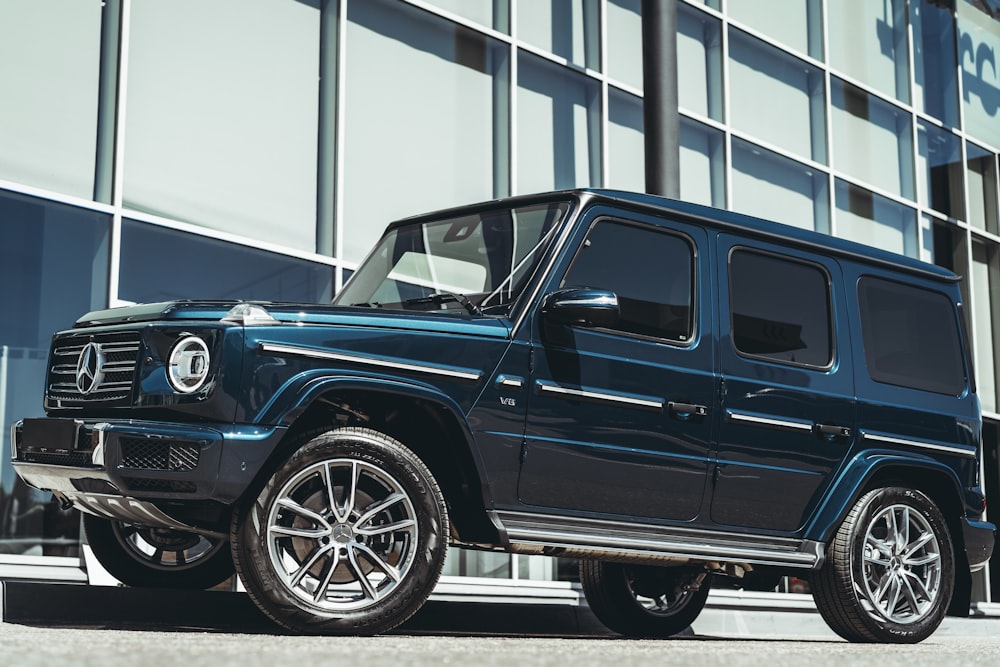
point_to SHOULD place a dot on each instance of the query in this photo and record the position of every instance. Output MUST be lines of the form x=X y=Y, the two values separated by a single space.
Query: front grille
x=120 y=352
x=147 y=454
x=159 y=485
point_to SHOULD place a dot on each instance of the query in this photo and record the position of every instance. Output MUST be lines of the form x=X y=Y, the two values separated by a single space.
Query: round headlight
x=188 y=367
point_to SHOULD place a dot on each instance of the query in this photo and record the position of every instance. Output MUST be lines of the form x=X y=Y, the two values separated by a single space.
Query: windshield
x=478 y=262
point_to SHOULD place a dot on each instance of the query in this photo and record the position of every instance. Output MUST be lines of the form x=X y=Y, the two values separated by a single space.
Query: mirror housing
x=582 y=307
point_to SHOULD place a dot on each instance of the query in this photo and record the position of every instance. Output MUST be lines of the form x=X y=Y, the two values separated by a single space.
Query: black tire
x=644 y=601
x=158 y=557
x=882 y=582
x=348 y=536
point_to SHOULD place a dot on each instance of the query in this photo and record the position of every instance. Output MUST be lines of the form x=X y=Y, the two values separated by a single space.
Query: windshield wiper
x=446 y=297
x=373 y=304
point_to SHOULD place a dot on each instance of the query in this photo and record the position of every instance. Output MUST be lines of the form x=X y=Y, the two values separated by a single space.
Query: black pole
x=661 y=121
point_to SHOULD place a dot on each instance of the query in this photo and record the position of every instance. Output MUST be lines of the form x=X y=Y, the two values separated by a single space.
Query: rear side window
x=911 y=337
x=780 y=309
x=650 y=271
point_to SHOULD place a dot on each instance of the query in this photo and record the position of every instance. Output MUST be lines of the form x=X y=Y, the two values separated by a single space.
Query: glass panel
x=222 y=124
x=539 y=568
x=910 y=336
x=651 y=271
x=469 y=563
x=982 y=177
x=939 y=160
x=53 y=268
x=780 y=309
x=625 y=41
x=568 y=28
x=773 y=187
x=979 y=57
x=559 y=126
x=407 y=69
x=626 y=150
x=934 y=62
x=699 y=48
x=795 y=23
x=160 y=264
x=49 y=64
x=491 y=13
x=703 y=164
x=868 y=43
x=872 y=140
x=985 y=280
x=875 y=220
x=776 y=98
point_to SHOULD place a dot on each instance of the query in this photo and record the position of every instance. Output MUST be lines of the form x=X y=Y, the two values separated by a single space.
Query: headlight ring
x=188 y=365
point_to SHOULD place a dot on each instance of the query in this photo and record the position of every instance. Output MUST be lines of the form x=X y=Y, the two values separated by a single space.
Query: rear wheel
x=889 y=571
x=347 y=537
x=644 y=601
x=158 y=557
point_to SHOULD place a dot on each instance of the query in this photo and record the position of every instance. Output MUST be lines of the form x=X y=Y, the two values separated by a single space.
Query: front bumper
x=979 y=538
x=140 y=471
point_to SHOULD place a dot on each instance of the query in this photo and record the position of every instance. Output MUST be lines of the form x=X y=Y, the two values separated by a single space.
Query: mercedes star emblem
x=90 y=368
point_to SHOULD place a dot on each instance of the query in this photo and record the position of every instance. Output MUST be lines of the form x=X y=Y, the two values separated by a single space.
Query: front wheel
x=889 y=570
x=158 y=557
x=347 y=537
x=644 y=601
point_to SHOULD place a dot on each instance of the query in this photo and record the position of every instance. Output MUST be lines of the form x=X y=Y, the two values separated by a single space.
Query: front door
x=620 y=417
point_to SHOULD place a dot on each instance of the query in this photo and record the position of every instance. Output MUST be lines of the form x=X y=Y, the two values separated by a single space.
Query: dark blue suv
x=672 y=394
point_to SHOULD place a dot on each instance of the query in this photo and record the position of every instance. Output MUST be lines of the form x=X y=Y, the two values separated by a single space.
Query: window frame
x=693 y=331
x=830 y=310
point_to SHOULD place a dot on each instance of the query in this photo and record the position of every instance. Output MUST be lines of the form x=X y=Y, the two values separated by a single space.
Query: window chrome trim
x=966 y=451
x=604 y=397
x=761 y=420
x=457 y=374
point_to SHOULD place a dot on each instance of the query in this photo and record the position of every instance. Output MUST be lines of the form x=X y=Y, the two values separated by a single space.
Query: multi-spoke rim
x=901 y=566
x=164 y=549
x=341 y=535
x=667 y=603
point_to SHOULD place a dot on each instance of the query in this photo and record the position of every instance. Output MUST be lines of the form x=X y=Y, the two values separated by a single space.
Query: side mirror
x=583 y=307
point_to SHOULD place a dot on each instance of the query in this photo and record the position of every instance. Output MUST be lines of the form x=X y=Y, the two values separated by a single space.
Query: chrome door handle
x=832 y=431
x=687 y=409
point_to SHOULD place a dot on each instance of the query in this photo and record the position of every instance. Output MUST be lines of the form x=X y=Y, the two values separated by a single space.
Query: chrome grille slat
x=120 y=352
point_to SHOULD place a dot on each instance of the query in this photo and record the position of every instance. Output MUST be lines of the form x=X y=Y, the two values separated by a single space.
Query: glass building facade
x=256 y=149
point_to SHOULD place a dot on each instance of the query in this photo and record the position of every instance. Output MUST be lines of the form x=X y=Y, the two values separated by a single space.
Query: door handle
x=832 y=431
x=687 y=409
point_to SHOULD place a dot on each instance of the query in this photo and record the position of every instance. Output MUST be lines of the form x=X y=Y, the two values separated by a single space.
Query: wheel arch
x=935 y=480
x=426 y=421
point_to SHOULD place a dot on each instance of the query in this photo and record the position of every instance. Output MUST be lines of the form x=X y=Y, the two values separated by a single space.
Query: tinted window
x=911 y=337
x=780 y=309
x=650 y=271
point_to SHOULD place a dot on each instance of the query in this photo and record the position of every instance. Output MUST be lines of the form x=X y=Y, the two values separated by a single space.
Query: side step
x=590 y=538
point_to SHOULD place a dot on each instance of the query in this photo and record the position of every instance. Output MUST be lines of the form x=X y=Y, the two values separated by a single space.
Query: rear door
x=788 y=411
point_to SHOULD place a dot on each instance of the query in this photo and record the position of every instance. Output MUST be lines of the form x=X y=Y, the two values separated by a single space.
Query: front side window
x=651 y=272
x=780 y=309
x=911 y=337
x=479 y=261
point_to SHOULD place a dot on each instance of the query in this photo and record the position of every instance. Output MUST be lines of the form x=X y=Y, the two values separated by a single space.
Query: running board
x=607 y=540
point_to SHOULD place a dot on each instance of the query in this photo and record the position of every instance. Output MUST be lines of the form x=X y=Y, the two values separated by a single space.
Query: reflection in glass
x=703 y=164
x=979 y=58
x=222 y=123
x=212 y=269
x=874 y=220
x=49 y=61
x=699 y=48
x=775 y=97
x=426 y=105
x=985 y=280
x=53 y=268
x=491 y=13
x=626 y=150
x=795 y=23
x=568 y=28
x=939 y=158
x=868 y=43
x=469 y=563
x=559 y=127
x=872 y=139
x=934 y=62
x=625 y=41
x=770 y=186
x=982 y=178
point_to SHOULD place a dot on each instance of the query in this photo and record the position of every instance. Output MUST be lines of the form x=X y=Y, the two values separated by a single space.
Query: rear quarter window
x=911 y=336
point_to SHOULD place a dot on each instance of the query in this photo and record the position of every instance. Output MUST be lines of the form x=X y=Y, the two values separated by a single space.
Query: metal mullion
x=512 y=100
x=118 y=195
x=602 y=28
x=489 y=31
x=340 y=123
x=831 y=181
x=726 y=102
